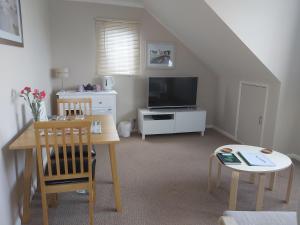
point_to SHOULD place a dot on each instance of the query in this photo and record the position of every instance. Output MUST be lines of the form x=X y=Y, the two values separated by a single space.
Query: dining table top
x=108 y=135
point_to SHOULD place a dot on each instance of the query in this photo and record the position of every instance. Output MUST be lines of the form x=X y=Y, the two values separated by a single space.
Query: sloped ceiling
x=201 y=30
x=269 y=28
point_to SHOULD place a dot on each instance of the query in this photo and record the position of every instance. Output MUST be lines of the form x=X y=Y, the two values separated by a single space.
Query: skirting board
x=225 y=133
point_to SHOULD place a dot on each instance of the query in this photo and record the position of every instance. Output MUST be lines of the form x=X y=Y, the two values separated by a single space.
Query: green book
x=228 y=158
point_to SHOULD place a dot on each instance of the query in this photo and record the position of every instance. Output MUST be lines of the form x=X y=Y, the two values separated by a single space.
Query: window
x=118 y=47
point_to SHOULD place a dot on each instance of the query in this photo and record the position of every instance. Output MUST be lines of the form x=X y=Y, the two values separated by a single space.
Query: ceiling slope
x=195 y=24
x=267 y=27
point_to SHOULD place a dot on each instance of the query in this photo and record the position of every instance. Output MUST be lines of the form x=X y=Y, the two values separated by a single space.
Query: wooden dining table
x=26 y=142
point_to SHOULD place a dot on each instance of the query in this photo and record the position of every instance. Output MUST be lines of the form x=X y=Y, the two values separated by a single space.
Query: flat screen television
x=172 y=92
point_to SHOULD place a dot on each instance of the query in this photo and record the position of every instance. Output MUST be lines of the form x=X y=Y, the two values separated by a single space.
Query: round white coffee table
x=280 y=160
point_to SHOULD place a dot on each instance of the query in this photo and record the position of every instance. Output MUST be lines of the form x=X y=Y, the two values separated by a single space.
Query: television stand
x=168 y=121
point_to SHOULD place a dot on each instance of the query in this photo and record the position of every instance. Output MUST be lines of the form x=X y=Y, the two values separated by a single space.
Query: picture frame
x=160 y=55
x=11 y=28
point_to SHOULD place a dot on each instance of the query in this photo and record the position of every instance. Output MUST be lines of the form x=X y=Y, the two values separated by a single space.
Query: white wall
x=73 y=41
x=212 y=41
x=270 y=29
x=19 y=67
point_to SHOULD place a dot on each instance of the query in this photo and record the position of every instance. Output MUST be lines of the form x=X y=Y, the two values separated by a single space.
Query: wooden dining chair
x=67 y=173
x=74 y=106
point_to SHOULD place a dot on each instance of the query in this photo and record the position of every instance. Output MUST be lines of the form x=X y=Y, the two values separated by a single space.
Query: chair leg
x=91 y=205
x=45 y=208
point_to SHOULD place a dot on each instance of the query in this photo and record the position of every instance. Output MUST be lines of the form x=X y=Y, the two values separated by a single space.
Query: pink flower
x=42 y=94
x=28 y=89
x=22 y=91
x=35 y=91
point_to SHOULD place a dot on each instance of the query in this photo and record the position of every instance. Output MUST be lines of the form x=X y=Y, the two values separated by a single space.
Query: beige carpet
x=163 y=182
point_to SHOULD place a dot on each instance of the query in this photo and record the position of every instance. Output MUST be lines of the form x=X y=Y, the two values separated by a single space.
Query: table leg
x=219 y=174
x=272 y=181
x=260 y=192
x=252 y=178
x=233 y=190
x=290 y=184
x=116 y=182
x=27 y=186
x=210 y=172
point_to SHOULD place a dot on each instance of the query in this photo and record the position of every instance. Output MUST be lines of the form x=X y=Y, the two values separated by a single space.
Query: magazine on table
x=253 y=158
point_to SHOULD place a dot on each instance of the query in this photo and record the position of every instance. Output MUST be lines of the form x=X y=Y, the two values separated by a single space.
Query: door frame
x=239 y=104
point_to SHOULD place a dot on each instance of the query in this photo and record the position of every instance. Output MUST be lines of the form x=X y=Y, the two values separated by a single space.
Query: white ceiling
x=130 y=3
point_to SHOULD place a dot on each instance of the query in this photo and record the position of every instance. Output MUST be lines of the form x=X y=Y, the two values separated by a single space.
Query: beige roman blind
x=118 y=47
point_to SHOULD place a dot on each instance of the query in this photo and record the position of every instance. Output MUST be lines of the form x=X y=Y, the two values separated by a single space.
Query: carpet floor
x=163 y=182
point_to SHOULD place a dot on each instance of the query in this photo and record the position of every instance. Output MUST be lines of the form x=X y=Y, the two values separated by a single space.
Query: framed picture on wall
x=11 y=31
x=160 y=55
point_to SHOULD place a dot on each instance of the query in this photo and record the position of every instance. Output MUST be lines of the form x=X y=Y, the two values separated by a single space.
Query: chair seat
x=70 y=171
x=69 y=152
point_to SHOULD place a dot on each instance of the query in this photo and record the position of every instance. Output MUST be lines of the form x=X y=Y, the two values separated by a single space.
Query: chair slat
x=64 y=147
x=73 y=151
x=64 y=109
x=69 y=109
x=80 y=109
x=81 y=151
x=56 y=151
x=48 y=151
x=85 y=109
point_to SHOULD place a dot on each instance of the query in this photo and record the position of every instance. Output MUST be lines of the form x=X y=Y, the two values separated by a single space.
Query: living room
x=236 y=70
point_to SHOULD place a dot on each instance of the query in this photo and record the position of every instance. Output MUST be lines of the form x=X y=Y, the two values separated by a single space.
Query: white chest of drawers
x=103 y=102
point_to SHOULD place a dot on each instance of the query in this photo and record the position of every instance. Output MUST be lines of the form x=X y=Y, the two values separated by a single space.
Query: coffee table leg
x=260 y=192
x=219 y=174
x=272 y=181
x=233 y=190
x=290 y=184
x=27 y=186
x=116 y=182
x=210 y=172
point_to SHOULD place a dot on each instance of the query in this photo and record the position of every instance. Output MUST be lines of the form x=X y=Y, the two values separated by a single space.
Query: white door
x=251 y=113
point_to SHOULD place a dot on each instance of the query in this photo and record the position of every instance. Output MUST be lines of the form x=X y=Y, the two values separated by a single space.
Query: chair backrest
x=74 y=106
x=55 y=136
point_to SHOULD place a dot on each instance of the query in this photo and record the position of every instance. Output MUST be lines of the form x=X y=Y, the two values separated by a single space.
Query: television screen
x=172 y=92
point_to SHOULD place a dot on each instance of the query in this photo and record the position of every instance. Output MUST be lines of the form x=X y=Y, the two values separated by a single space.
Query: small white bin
x=124 y=128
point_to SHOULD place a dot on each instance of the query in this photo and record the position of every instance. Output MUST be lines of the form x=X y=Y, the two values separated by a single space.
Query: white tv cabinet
x=168 y=121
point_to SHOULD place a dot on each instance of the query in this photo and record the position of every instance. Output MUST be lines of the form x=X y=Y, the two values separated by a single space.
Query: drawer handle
x=100 y=102
x=109 y=109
